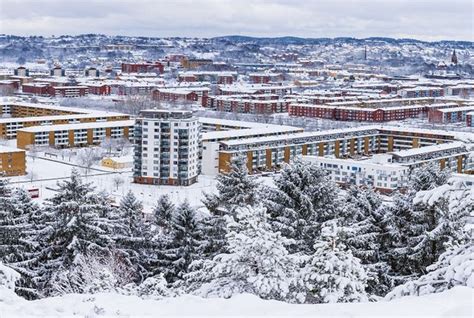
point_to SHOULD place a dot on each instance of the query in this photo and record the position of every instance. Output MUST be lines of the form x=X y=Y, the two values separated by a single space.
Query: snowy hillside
x=457 y=302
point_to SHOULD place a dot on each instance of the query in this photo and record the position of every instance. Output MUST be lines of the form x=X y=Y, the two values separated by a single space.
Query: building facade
x=12 y=162
x=167 y=147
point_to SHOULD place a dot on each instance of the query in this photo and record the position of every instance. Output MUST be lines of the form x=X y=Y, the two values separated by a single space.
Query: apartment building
x=188 y=95
x=19 y=115
x=449 y=115
x=246 y=104
x=377 y=172
x=167 y=147
x=74 y=135
x=270 y=152
x=12 y=162
x=146 y=67
x=470 y=119
x=370 y=110
x=68 y=91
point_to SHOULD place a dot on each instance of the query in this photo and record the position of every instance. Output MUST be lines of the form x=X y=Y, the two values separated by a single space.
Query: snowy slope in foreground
x=457 y=302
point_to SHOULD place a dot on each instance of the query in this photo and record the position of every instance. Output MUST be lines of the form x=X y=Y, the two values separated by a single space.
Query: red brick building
x=194 y=95
x=68 y=91
x=147 y=67
x=470 y=119
x=36 y=88
x=99 y=89
x=375 y=114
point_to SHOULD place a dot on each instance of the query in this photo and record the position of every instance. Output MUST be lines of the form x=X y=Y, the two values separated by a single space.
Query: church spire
x=454 y=58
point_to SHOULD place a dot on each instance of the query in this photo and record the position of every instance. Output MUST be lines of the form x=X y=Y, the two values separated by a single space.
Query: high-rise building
x=167 y=147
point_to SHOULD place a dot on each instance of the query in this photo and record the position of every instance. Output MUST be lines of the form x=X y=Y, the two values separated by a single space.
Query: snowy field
x=457 y=302
x=44 y=173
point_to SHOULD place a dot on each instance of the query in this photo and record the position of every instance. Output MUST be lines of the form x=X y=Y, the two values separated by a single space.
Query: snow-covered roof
x=428 y=149
x=241 y=133
x=91 y=125
x=5 y=149
x=456 y=109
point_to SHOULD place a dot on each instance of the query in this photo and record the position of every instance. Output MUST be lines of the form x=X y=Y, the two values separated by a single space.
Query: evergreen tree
x=184 y=245
x=20 y=222
x=303 y=198
x=235 y=188
x=257 y=261
x=163 y=213
x=332 y=274
x=453 y=268
x=74 y=229
x=134 y=237
x=364 y=228
x=417 y=231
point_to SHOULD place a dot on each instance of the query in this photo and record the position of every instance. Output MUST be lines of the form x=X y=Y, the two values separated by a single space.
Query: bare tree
x=33 y=151
x=32 y=175
x=117 y=181
x=87 y=157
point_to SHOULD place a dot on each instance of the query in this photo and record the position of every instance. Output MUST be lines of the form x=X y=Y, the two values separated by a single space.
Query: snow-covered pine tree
x=257 y=261
x=235 y=188
x=453 y=268
x=134 y=237
x=20 y=223
x=73 y=230
x=427 y=177
x=213 y=232
x=445 y=212
x=163 y=213
x=364 y=229
x=408 y=225
x=184 y=245
x=303 y=198
x=331 y=274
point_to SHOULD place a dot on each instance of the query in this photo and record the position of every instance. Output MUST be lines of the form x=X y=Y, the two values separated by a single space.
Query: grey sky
x=421 y=19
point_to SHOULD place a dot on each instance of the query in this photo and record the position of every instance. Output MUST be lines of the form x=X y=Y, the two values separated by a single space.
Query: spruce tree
x=163 y=213
x=134 y=237
x=453 y=268
x=332 y=274
x=364 y=228
x=235 y=188
x=257 y=261
x=413 y=227
x=20 y=223
x=302 y=199
x=73 y=231
x=184 y=245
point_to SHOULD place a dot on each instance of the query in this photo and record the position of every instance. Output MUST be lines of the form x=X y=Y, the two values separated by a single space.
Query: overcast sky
x=421 y=19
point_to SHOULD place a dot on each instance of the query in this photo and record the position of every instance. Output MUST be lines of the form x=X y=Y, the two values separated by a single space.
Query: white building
x=168 y=147
x=378 y=171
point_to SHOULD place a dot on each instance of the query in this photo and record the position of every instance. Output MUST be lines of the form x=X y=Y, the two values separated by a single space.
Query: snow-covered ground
x=457 y=302
x=44 y=173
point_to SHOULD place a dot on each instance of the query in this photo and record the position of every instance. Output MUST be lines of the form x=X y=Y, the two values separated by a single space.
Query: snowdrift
x=457 y=302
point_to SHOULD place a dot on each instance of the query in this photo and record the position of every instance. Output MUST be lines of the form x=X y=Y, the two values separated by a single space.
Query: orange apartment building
x=12 y=162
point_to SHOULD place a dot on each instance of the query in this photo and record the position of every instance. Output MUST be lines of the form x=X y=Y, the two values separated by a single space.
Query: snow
x=457 y=302
x=77 y=126
x=46 y=172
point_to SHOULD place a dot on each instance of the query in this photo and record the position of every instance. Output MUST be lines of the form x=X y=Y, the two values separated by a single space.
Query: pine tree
x=134 y=237
x=184 y=244
x=73 y=230
x=364 y=228
x=235 y=188
x=20 y=222
x=414 y=228
x=163 y=213
x=332 y=274
x=453 y=268
x=257 y=261
x=304 y=197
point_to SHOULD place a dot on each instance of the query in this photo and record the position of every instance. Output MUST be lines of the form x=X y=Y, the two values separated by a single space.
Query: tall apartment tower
x=167 y=147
